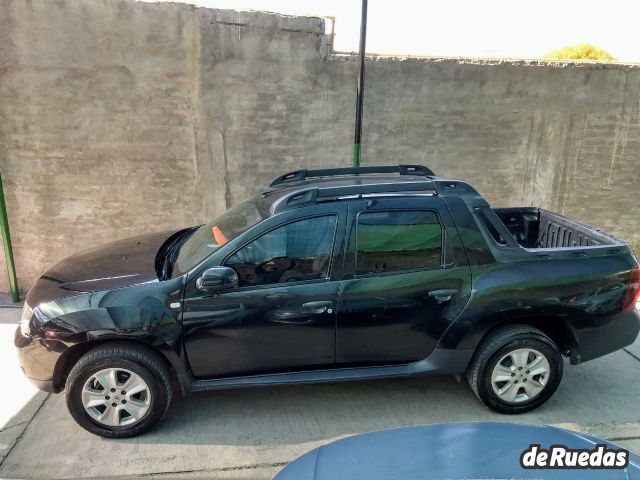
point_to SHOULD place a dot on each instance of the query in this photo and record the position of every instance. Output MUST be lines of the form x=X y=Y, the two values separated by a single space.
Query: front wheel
x=119 y=390
x=515 y=369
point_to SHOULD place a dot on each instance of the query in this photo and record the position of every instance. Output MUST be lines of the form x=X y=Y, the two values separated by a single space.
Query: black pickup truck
x=329 y=275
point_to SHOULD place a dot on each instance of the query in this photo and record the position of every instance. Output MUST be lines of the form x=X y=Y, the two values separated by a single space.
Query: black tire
x=138 y=359
x=495 y=347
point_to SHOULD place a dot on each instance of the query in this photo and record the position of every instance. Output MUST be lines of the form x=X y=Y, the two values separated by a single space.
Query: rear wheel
x=119 y=390
x=515 y=369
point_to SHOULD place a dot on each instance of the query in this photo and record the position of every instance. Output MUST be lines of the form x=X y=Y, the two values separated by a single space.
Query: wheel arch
x=72 y=354
x=557 y=329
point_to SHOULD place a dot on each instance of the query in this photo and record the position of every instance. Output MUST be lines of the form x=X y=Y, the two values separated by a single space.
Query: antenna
x=357 y=147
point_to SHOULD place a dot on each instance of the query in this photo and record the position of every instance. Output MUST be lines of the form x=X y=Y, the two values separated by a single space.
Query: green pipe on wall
x=8 y=251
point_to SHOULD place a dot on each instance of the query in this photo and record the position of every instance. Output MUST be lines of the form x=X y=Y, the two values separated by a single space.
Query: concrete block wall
x=119 y=118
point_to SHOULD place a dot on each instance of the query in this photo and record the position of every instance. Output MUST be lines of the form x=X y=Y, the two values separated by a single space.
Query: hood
x=447 y=450
x=114 y=265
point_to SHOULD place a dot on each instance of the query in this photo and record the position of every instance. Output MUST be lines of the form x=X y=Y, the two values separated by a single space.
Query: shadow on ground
x=260 y=430
x=271 y=416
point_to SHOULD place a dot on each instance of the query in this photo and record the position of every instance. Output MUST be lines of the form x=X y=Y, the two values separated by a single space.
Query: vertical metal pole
x=360 y=88
x=8 y=251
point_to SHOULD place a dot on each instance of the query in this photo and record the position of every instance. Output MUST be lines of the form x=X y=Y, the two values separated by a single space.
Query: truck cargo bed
x=535 y=227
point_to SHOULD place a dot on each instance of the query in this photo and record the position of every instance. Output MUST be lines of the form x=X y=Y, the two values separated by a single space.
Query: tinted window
x=392 y=241
x=294 y=252
x=211 y=236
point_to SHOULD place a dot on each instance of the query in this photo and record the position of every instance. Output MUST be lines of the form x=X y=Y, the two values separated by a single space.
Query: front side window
x=397 y=240
x=294 y=252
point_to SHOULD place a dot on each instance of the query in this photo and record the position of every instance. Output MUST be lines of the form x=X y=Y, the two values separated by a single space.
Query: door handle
x=320 y=306
x=443 y=295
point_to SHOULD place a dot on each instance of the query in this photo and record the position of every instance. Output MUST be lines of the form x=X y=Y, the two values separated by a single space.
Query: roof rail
x=311 y=195
x=300 y=175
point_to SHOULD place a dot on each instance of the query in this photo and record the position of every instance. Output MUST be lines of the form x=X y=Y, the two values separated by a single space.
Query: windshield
x=211 y=236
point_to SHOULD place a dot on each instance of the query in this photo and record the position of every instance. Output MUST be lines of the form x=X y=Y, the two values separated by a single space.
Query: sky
x=462 y=28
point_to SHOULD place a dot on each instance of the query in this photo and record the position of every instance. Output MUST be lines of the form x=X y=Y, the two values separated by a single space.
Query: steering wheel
x=275 y=264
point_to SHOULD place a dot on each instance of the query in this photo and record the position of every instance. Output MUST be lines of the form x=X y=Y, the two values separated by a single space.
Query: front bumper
x=38 y=358
x=598 y=336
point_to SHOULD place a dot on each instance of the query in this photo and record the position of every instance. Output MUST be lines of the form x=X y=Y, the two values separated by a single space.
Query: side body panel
x=577 y=294
x=393 y=317
x=267 y=328
x=248 y=331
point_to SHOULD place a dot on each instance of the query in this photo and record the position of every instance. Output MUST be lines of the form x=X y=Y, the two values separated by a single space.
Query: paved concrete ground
x=23 y=399
x=252 y=433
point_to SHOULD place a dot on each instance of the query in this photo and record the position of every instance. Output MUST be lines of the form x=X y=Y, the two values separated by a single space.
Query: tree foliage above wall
x=583 y=51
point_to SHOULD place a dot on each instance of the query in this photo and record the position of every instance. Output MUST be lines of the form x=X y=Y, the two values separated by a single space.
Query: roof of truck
x=304 y=187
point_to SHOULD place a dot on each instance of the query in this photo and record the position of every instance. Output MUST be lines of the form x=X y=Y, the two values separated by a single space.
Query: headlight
x=25 y=320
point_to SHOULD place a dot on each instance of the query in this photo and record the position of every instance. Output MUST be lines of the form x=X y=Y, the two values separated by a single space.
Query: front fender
x=63 y=329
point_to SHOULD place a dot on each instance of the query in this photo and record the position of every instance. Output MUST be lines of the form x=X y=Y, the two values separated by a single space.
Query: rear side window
x=397 y=240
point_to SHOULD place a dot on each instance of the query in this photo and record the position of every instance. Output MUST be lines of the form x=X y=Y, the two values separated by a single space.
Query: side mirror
x=217 y=279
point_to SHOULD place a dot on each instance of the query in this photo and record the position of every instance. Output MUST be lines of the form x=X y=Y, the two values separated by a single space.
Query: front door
x=282 y=315
x=406 y=278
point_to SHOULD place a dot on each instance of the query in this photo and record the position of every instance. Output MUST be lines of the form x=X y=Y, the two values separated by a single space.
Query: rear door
x=406 y=277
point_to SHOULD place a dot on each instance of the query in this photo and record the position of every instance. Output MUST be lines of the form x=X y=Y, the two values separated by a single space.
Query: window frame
x=283 y=224
x=409 y=270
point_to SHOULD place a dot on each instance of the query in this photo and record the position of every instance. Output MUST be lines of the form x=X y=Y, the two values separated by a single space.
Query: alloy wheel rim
x=520 y=375
x=116 y=397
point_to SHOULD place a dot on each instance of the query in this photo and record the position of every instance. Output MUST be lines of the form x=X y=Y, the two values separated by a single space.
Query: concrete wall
x=118 y=118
